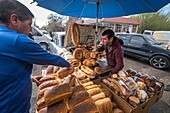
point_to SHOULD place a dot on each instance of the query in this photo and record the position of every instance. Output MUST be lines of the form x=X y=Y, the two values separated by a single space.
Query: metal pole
x=97 y=9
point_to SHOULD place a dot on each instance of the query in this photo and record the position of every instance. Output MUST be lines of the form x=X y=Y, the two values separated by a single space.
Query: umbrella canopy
x=101 y=8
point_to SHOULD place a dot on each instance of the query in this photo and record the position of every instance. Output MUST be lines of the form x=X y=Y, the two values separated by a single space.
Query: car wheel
x=159 y=62
x=44 y=45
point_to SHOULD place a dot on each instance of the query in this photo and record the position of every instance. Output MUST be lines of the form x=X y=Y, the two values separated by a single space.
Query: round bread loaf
x=78 y=53
x=98 y=70
x=75 y=62
x=75 y=34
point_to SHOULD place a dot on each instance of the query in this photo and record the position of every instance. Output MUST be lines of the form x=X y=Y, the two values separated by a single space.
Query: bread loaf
x=40 y=104
x=41 y=92
x=87 y=70
x=130 y=83
x=157 y=86
x=107 y=93
x=78 y=89
x=94 y=91
x=98 y=70
x=142 y=86
x=114 y=105
x=119 y=85
x=49 y=84
x=117 y=110
x=56 y=68
x=112 y=83
x=93 y=55
x=122 y=73
x=131 y=72
x=59 y=107
x=85 y=107
x=134 y=101
x=49 y=70
x=57 y=93
x=150 y=81
x=63 y=72
x=144 y=76
x=114 y=76
x=75 y=62
x=91 y=86
x=46 y=78
x=77 y=99
x=138 y=79
x=44 y=110
x=79 y=74
x=139 y=74
x=104 y=105
x=142 y=95
x=85 y=80
x=70 y=79
x=78 y=53
x=98 y=96
x=88 y=84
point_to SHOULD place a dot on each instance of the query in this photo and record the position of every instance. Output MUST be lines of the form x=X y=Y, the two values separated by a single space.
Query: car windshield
x=152 y=40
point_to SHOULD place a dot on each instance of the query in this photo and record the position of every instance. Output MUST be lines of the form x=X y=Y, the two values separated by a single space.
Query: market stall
x=91 y=88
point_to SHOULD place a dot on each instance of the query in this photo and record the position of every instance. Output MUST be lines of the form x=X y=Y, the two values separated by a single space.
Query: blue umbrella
x=101 y=8
x=104 y=8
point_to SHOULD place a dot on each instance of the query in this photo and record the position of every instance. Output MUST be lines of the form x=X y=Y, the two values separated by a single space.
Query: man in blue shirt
x=18 y=53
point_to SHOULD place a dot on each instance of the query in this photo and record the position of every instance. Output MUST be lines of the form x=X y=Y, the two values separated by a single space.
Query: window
x=118 y=28
x=134 y=28
x=125 y=39
x=137 y=41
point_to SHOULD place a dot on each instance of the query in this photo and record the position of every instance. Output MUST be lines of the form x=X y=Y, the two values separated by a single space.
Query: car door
x=126 y=39
x=138 y=46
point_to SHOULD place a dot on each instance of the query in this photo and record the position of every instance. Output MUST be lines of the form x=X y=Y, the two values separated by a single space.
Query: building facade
x=121 y=24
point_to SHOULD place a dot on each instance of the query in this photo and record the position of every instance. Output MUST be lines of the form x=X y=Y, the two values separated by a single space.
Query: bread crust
x=57 y=93
x=78 y=53
x=75 y=34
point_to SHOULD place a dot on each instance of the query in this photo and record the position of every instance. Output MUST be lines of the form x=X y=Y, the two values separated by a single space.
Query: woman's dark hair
x=109 y=33
x=9 y=7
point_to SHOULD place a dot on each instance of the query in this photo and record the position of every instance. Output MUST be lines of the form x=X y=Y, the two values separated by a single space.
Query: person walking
x=114 y=50
x=18 y=53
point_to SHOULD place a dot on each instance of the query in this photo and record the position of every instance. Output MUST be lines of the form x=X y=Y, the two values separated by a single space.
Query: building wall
x=120 y=27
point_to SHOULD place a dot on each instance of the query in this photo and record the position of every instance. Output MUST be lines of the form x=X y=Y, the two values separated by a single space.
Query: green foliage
x=55 y=23
x=153 y=21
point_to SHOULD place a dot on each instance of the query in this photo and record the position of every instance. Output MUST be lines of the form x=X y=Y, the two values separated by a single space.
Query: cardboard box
x=126 y=107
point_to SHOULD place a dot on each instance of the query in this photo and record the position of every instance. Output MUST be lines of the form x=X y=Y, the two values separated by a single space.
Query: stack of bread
x=62 y=92
x=85 y=62
x=101 y=97
x=134 y=87
x=57 y=93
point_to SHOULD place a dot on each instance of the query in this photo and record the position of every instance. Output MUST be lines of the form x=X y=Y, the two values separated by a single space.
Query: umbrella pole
x=97 y=9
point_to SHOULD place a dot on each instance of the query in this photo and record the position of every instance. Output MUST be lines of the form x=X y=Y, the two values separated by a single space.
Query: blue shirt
x=18 y=53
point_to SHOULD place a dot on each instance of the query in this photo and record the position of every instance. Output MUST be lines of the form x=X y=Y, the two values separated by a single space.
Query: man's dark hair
x=109 y=33
x=9 y=7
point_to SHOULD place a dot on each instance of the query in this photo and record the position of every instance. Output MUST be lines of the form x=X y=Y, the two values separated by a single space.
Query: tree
x=153 y=21
x=55 y=23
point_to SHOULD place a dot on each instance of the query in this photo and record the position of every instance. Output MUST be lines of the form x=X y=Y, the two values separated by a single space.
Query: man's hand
x=36 y=79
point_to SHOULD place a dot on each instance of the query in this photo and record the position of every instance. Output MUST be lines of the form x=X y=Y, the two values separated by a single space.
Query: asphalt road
x=161 y=106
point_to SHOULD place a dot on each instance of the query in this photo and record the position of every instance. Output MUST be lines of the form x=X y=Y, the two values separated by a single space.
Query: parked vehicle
x=162 y=36
x=148 y=32
x=41 y=38
x=146 y=47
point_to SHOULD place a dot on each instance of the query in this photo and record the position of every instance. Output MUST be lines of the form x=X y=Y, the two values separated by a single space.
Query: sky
x=40 y=14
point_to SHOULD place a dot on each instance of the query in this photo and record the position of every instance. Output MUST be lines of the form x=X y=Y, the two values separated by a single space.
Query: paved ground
x=162 y=106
